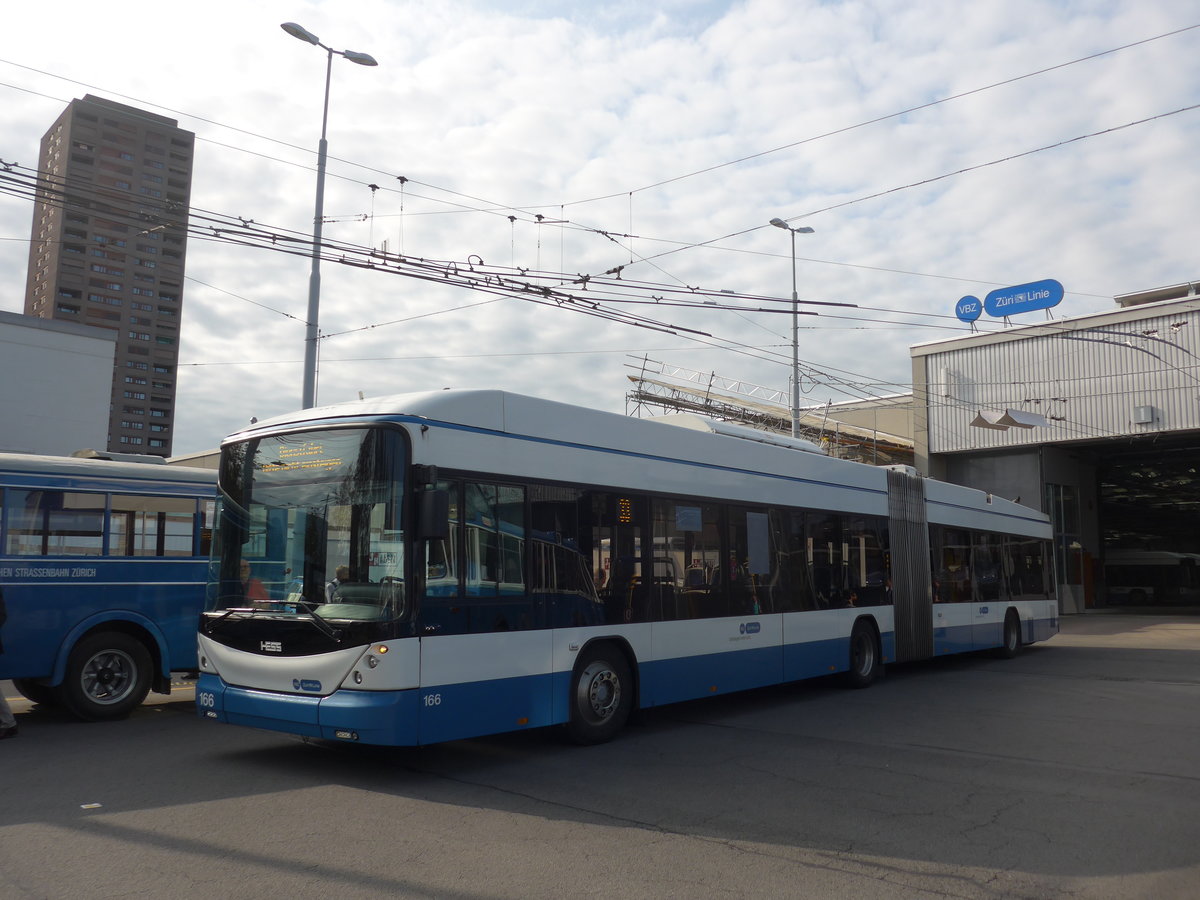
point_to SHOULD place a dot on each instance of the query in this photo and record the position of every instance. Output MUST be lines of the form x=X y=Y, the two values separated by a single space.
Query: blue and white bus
x=511 y=563
x=103 y=567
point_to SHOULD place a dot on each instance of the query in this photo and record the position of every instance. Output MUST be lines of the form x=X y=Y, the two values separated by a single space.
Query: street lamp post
x=311 y=332
x=779 y=223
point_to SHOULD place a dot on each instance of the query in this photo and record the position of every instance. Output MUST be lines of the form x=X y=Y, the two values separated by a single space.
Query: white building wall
x=1132 y=372
x=55 y=385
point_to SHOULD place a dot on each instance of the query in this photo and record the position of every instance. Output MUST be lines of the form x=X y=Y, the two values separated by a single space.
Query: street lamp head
x=363 y=59
x=300 y=32
x=779 y=223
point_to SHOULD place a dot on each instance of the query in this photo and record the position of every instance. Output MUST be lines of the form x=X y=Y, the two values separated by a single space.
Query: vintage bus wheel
x=36 y=692
x=864 y=656
x=107 y=676
x=601 y=695
x=1012 y=636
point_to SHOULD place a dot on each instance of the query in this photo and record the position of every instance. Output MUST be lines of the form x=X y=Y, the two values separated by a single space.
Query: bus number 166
x=433 y=699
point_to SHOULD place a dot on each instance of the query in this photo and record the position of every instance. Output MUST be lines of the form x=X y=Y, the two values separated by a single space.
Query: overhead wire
x=277 y=235
x=247 y=232
x=498 y=210
x=237 y=229
x=502 y=209
x=930 y=180
x=904 y=112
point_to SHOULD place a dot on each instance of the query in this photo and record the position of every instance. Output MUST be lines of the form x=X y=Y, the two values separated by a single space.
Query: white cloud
x=542 y=105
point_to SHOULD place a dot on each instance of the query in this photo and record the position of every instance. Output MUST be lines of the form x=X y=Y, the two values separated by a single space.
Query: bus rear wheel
x=1012 y=636
x=864 y=656
x=36 y=692
x=108 y=675
x=601 y=695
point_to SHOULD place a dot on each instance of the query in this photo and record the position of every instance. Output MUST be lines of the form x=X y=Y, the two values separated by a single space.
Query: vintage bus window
x=208 y=519
x=54 y=523
x=151 y=526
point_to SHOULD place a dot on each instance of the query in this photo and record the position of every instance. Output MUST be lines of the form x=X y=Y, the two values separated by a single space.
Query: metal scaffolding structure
x=659 y=386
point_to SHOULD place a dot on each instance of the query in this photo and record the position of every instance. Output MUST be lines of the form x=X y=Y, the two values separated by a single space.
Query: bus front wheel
x=108 y=675
x=601 y=695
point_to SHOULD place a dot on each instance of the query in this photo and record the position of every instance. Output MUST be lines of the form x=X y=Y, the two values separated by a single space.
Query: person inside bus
x=340 y=576
x=252 y=588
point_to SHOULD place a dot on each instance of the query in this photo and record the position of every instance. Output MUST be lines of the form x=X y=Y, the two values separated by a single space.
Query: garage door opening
x=1149 y=513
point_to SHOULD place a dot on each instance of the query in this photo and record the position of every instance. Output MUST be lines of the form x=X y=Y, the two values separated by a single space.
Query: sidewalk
x=1176 y=630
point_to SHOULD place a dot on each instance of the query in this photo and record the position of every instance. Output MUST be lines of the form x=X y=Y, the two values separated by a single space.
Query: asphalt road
x=1071 y=771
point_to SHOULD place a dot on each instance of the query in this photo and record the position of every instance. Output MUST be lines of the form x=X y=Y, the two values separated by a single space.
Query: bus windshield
x=310 y=525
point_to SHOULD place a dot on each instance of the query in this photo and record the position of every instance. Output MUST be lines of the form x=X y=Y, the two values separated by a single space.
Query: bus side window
x=687 y=558
x=151 y=526
x=55 y=523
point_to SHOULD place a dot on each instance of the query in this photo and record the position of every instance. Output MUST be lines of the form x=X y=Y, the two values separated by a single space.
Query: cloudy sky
x=938 y=148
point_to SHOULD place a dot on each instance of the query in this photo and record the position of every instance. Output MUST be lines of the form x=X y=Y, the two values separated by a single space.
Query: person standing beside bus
x=8 y=722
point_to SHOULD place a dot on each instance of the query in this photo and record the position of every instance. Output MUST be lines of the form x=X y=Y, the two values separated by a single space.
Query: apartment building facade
x=109 y=243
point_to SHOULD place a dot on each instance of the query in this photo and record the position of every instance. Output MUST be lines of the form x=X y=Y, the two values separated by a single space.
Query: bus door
x=990 y=593
x=485 y=659
x=623 y=577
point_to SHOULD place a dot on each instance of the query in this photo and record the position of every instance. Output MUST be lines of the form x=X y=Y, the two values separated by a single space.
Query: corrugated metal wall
x=1135 y=377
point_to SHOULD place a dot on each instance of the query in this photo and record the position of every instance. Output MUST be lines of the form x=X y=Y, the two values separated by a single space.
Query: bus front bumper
x=365 y=717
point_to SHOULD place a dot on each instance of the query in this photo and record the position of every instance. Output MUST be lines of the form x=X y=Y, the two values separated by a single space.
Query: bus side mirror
x=433 y=515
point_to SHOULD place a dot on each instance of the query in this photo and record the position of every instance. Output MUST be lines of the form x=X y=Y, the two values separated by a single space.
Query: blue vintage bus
x=102 y=572
x=509 y=563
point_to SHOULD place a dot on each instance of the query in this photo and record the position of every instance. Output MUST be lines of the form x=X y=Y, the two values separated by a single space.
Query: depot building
x=1094 y=420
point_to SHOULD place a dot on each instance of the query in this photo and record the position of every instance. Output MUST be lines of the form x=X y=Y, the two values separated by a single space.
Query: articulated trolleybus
x=437 y=566
x=103 y=567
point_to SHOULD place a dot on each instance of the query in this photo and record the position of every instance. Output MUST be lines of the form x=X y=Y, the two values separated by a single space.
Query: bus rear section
x=103 y=567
